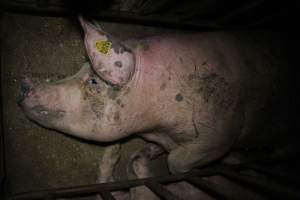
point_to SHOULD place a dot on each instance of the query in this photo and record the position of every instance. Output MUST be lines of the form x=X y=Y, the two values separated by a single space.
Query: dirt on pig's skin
x=49 y=49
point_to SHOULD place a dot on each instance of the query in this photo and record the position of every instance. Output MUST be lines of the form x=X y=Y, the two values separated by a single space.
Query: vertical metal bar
x=213 y=189
x=2 y=148
x=160 y=191
x=276 y=174
x=106 y=195
x=272 y=188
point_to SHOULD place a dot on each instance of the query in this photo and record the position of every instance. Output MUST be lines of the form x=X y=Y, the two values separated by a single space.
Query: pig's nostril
x=26 y=86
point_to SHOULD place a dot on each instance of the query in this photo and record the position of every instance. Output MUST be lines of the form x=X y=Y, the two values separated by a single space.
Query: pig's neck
x=133 y=106
x=145 y=104
x=139 y=102
x=123 y=116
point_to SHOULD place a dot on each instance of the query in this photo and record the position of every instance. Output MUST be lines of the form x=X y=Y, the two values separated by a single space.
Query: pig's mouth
x=42 y=111
x=46 y=117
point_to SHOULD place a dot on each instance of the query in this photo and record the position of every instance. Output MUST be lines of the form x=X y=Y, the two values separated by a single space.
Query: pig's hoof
x=138 y=164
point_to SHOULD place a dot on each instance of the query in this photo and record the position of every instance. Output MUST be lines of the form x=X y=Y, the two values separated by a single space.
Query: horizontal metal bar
x=96 y=188
x=106 y=195
x=238 y=12
x=166 y=20
x=272 y=188
x=227 y=171
x=49 y=197
x=160 y=191
x=120 y=16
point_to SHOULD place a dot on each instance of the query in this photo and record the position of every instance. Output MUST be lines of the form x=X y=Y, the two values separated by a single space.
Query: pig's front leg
x=138 y=168
x=108 y=162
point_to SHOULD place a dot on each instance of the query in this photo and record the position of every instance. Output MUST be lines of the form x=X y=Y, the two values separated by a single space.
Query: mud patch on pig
x=216 y=90
x=94 y=98
x=127 y=91
x=112 y=93
x=163 y=86
x=119 y=101
x=117 y=116
x=179 y=97
x=95 y=104
x=118 y=64
x=220 y=62
x=97 y=108
x=144 y=46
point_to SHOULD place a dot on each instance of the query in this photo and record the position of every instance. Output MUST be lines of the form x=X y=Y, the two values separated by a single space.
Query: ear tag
x=103 y=46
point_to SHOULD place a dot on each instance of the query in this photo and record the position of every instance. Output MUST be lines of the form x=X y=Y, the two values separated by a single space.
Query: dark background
x=25 y=21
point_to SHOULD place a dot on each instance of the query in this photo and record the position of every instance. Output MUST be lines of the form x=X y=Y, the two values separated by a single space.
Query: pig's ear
x=111 y=60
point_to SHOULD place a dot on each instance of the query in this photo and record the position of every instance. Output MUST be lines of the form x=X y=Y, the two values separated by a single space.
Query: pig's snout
x=26 y=89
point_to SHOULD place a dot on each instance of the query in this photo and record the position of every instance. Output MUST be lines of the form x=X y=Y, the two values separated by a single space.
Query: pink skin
x=183 y=92
x=187 y=92
x=118 y=56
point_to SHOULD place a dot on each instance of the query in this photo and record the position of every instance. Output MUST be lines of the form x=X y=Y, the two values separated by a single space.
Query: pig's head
x=75 y=105
x=86 y=104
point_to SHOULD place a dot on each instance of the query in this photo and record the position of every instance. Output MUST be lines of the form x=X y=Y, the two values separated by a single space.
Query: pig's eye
x=93 y=81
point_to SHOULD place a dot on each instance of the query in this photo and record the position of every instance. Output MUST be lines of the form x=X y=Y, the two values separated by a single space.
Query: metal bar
x=168 y=20
x=120 y=16
x=49 y=197
x=213 y=189
x=2 y=145
x=239 y=11
x=272 y=188
x=106 y=195
x=276 y=174
x=160 y=191
x=96 y=188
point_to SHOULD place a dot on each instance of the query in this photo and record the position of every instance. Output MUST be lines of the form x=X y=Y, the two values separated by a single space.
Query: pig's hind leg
x=208 y=147
x=215 y=135
x=138 y=167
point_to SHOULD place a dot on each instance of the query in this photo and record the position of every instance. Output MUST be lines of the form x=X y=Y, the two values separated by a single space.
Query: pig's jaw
x=42 y=115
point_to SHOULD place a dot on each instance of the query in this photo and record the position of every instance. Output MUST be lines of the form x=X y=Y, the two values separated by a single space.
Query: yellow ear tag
x=103 y=46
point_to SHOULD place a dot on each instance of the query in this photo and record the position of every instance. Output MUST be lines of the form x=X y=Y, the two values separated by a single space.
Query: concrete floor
x=50 y=48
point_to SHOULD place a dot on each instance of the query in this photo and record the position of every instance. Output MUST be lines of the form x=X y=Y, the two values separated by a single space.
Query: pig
x=194 y=95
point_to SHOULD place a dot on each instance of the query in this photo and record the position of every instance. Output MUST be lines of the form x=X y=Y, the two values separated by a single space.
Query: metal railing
x=270 y=186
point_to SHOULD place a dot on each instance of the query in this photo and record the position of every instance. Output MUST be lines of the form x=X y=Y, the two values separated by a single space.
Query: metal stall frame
x=2 y=149
x=270 y=186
